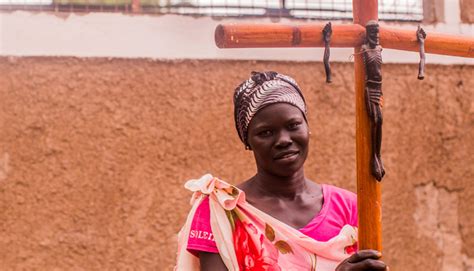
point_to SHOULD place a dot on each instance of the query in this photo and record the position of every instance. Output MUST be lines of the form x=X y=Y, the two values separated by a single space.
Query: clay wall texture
x=467 y=11
x=94 y=154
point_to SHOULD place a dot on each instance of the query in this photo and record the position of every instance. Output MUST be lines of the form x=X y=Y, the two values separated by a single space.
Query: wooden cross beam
x=349 y=35
x=343 y=35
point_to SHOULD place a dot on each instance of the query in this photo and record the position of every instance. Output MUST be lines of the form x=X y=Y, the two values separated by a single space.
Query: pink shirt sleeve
x=339 y=208
x=342 y=205
x=200 y=235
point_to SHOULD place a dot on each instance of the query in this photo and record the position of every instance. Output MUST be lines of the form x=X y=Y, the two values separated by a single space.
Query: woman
x=278 y=219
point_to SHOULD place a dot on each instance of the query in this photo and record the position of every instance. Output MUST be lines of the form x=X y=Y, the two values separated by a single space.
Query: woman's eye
x=265 y=133
x=294 y=126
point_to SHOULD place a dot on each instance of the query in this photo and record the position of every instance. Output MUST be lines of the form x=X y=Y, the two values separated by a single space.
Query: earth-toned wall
x=94 y=154
x=467 y=11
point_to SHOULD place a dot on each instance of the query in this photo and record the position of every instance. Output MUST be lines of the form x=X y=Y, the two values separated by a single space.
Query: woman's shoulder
x=338 y=191
x=339 y=196
x=244 y=185
x=341 y=203
x=247 y=188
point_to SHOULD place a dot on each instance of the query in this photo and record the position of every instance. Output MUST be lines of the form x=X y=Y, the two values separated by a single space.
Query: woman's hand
x=363 y=260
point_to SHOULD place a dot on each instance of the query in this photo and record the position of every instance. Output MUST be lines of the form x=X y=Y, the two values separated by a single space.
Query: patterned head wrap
x=260 y=90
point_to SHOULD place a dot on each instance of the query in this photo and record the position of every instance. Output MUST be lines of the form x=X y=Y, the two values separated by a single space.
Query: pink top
x=339 y=208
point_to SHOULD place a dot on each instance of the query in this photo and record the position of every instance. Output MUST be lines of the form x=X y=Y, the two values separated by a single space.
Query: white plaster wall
x=169 y=37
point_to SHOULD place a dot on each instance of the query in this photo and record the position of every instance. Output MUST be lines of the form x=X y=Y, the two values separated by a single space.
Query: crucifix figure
x=327 y=31
x=354 y=35
x=372 y=54
x=421 y=36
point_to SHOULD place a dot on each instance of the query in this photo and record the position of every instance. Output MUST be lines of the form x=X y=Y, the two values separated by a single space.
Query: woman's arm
x=211 y=262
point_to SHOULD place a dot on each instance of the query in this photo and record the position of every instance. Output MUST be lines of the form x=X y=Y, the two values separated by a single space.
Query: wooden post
x=343 y=36
x=435 y=43
x=369 y=202
x=273 y=35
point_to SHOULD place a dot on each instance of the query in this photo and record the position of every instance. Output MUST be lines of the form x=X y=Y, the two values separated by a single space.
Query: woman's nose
x=283 y=139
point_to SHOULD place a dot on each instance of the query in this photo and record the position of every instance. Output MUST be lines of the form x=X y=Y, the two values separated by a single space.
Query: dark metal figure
x=372 y=54
x=327 y=32
x=421 y=36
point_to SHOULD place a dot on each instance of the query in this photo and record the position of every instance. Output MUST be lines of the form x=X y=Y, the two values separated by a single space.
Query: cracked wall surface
x=436 y=217
x=467 y=11
x=94 y=153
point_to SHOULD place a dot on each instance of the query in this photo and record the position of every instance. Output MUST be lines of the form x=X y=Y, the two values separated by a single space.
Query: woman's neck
x=280 y=186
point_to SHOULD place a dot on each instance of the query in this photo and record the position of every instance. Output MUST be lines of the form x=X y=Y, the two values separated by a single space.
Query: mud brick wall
x=94 y=154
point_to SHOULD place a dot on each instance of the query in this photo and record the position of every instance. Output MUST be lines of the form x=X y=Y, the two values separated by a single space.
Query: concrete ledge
x=164 y=37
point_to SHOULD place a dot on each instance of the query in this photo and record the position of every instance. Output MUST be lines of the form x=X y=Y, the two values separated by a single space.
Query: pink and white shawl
x=249 y=239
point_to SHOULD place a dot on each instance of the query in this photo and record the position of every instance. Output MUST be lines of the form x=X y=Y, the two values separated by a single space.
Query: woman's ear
x=247 y=147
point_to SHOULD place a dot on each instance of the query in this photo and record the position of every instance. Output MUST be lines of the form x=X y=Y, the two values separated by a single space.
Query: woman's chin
x=288 y=171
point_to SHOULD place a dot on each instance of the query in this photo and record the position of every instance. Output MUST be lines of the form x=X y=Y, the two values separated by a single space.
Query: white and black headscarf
x=260 y=90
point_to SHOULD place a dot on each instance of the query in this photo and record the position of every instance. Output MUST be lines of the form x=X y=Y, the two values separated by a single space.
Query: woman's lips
x=288 y=157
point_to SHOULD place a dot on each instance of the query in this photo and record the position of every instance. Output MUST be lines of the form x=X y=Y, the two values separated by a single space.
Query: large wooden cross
x=349 y=35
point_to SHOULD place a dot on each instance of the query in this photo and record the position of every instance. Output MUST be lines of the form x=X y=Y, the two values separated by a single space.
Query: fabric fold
x=249 y=239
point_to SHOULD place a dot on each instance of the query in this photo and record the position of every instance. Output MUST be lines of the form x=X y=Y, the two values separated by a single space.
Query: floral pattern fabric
x=249 y=239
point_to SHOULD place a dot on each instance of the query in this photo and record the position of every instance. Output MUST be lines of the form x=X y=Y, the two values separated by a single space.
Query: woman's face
x=278 y=135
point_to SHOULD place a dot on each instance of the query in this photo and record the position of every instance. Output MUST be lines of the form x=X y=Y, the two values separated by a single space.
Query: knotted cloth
x=260 y=90
x=249 y=239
